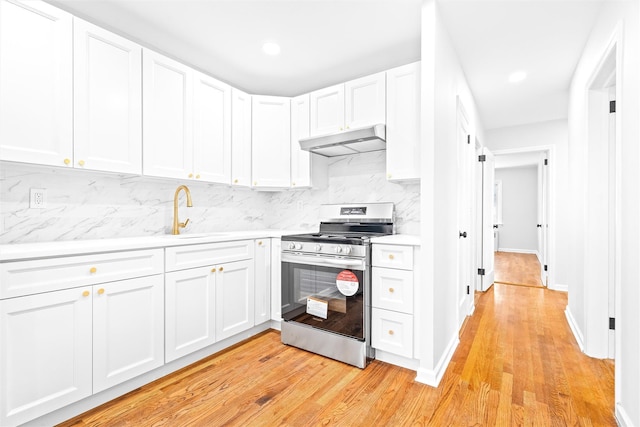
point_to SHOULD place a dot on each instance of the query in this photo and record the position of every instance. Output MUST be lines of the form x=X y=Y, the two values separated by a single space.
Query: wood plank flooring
x=517 y=269
x=517 y=364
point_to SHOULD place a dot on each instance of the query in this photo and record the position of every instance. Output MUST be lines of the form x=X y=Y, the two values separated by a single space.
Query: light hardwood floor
x=517 y=269
x=517 y=364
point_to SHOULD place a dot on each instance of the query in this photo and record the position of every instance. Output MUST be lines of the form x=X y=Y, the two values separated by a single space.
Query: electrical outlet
x=38 y=198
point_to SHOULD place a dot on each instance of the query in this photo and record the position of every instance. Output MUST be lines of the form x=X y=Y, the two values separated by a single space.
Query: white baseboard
x=518 y=251
x=559 y=287
x=574 y=328
x=394 y=359
x=433 y=377
x=622 y=417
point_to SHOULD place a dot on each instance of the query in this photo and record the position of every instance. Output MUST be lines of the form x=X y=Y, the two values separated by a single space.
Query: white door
x=271 y=142
x=36 y=86
x=107 y=100
x=365 y=101
x=487 y=237
x=241 y=138
x=45 y=353
x=262 y=261
x=403 y=122
x=212 y=130
x=300 y=159
x=543 y=215
x=128 y=329
x=190 y=311
x=327 y=110
x=234 y=298
x=167 y=117
x=465 y=259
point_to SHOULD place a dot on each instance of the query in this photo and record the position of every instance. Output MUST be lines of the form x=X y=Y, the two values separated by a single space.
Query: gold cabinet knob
x=255 y=182
x=67 y=161
x=100 y=291
x=198 y=176
x=391 y=290
x=213 y=270
x=235 y=181
x=85 y=293
x=293 y=184
x=391 y=256
x=260 y=243
x=220 y=269
x=340 y=127
x=93 y=270
x=388 y=176
x=81 y=162
x=190 y=175
x=347 y=127
x=390 y=331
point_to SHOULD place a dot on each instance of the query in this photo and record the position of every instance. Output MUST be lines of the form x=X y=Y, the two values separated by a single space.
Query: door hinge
x=482 y=158
x=546 y=162
x=481 y=272
x=468 y=290
x=612 y=106
x=612 y=323
x=545 y=267
x=468 y=139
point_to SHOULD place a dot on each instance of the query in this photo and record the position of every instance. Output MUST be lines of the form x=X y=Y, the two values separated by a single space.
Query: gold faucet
x=176 y=224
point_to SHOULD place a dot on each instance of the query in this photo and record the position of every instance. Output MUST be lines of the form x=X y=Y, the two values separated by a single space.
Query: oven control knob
x=338 y=249
x=318 y=248
x=347 y=250
x=292 y=245
x=298 y=246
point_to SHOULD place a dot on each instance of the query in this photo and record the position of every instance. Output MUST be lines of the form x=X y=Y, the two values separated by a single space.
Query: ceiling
x=325 y=42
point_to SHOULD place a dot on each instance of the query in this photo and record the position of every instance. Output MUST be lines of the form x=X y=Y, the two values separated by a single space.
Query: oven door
x=325 y=292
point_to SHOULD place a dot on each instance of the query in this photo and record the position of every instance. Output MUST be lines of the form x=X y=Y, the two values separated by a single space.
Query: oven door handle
x=354 y=264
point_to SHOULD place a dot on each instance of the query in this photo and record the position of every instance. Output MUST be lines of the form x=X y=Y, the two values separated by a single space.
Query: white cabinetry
x=354 y=104
x=75 y=326
x=271 y=142
x=234 y=298
x=276 y=279
x=241 y=139
x=36 y=86
x=263 y=281
x=392 y=299
x=403 y=123
x=107 y=100
x=300 y=159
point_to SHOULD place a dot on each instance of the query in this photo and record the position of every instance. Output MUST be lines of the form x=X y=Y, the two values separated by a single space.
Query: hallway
x=517 y=269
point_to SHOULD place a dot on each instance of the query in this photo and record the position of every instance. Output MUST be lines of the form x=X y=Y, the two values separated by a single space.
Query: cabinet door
x=128 y=330
x=327 y=110
x=271 y=142
x=403 y=123
x=392 y=331
x=167 y=117
x=241 y=139
x=190 y=311
x=300 y=125
x=263 y=281
x=365 y=101
x=107 y=100
x=392 y=289
x=36 y=87
x=45 y=353
x=212 y=130
x=234 y=298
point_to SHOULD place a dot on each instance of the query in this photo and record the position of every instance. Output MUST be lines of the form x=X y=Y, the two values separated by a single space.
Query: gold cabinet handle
x=260 y=243
x=220 y=269
x=347 y=127
x=390 y=331
x=198 y=176
x=340 y=127
x=100 y=291
x=388 y=176
x=213 y=270
x=86 y=293
x=293 y=184
x=391 y=256
x=255 y=183
x=81 y=162
x=190 y=175
x=67 y=161
x=93 y=270
x=235 y=181
x=391 y=290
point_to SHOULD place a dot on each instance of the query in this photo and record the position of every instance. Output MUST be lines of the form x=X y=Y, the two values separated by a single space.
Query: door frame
x=551 y=197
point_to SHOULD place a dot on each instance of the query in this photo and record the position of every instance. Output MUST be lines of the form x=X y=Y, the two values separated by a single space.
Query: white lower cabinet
x=392 y=332
x=234 y=298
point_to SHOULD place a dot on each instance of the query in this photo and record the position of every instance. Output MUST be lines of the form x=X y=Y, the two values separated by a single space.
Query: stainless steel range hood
x=361 y=140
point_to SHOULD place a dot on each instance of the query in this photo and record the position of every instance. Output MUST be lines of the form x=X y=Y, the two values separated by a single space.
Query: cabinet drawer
x=20 y=278
x=191 y=256
x=392 y=332
x=393 y=289
x=392 y=256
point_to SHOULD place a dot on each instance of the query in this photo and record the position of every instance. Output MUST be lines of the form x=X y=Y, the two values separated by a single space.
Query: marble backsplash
x=89 y=205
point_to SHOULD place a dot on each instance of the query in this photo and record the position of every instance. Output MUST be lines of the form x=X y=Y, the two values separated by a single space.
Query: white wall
x=443 y=81
x=518 y=231
x=616 y=21
x=548 y=134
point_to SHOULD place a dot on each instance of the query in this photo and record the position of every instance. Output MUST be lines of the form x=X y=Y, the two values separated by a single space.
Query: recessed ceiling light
x=517 y=77
x=271 y=48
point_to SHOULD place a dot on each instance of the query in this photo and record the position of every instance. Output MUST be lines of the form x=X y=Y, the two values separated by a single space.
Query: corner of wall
x=577 y=333
x=432 y=377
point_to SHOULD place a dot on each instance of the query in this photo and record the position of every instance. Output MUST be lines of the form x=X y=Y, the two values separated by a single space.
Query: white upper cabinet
x=241 y=138
x=167 y=117
x=327 y=110
x=36 y=87
x=403 y=123
x=271 y=142
x=212 y=130
x=300 y=125
x=365 y=101
x=107 y=100
x=354 y=104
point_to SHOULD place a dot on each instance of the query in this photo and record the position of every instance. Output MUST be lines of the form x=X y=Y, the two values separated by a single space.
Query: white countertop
x=398 y=239
x=18 y=251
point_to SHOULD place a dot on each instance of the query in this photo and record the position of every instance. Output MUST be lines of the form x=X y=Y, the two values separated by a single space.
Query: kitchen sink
x=198 y=235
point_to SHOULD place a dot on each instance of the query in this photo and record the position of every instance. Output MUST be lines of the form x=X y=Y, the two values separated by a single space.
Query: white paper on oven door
x=317 y=307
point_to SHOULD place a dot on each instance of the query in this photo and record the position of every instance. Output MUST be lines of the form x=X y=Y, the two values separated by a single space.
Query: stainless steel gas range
x=326 y=282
